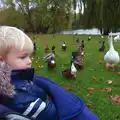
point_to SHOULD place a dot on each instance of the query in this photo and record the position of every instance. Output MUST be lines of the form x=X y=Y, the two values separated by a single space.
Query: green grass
x=102 y=106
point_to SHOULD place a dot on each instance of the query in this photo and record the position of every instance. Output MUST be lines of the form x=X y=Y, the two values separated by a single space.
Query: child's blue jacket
x=31 y=98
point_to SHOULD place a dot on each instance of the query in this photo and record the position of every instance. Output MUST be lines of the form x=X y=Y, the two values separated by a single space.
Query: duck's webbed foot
x=113 y=68
x=107 y=67
x=110 y=66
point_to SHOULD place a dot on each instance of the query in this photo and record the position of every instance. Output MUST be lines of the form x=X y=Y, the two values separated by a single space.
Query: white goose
x=112 y=56
x=117 y=38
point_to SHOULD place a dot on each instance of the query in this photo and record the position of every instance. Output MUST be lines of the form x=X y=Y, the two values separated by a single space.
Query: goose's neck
x=111 y=43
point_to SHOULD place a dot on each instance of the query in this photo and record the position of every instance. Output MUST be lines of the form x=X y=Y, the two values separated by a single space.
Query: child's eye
x=23 y=57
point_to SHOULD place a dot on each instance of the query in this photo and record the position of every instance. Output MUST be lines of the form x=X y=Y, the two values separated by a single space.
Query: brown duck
x=51 y=64
x=64 y=46
x=70 y=72
x=78 y=62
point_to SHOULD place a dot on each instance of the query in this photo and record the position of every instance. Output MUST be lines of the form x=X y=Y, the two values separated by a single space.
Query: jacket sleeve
x=34 y=108
x=67 y=104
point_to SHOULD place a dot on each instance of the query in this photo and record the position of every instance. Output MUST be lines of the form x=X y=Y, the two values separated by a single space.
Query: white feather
x=73 y=69
x=63 y=44
x=52 y=61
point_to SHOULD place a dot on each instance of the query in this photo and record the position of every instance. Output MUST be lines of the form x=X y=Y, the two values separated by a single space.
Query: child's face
x=18 y=59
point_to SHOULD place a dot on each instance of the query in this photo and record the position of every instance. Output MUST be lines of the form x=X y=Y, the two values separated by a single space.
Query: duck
x=74 y=54
x=111 y=57
x=52 y=63
x=80 y=51
x=35 y=46
x=102 y=48
x=53 y=49
x=46 y=49
x=89 y=38
x=77 y=58
x=49 y=56
x=78 y=62
x=77 y=41
x=64 y=46
x=70 y=72
x=82 y=44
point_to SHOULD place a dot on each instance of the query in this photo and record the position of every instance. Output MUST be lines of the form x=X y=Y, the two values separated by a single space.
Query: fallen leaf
x=88 y=95
x=118 y=101
x=107 y=89
x=89 y=105
x=100 y=61
x=91 y=69
x=94 y=77
x=114 y=98
x=91 y=90
x=40 y=66
x=109 y=82
x=68 y=88
x=118 y=73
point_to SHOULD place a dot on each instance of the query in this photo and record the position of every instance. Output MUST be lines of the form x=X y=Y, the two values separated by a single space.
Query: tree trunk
x=101 y=30
x=106 y=31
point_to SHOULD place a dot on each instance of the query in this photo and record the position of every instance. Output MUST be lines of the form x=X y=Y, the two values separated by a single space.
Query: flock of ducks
x=76 y=60
x=111 y=58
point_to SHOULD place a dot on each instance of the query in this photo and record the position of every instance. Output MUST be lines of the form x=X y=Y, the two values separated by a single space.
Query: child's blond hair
x=13 y=37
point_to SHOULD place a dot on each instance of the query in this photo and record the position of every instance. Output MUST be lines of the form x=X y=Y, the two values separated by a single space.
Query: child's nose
x=29 y=61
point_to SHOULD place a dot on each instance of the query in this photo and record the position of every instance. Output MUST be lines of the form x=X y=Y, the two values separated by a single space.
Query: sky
x=77 y=10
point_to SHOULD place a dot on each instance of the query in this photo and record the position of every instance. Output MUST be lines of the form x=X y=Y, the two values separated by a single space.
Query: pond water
x=93 y=31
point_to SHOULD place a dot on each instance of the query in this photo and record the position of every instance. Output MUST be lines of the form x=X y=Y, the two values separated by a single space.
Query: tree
x=11 y=17
x=40 y=15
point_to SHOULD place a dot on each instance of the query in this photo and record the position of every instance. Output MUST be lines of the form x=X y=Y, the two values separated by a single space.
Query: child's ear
x=1 y=59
